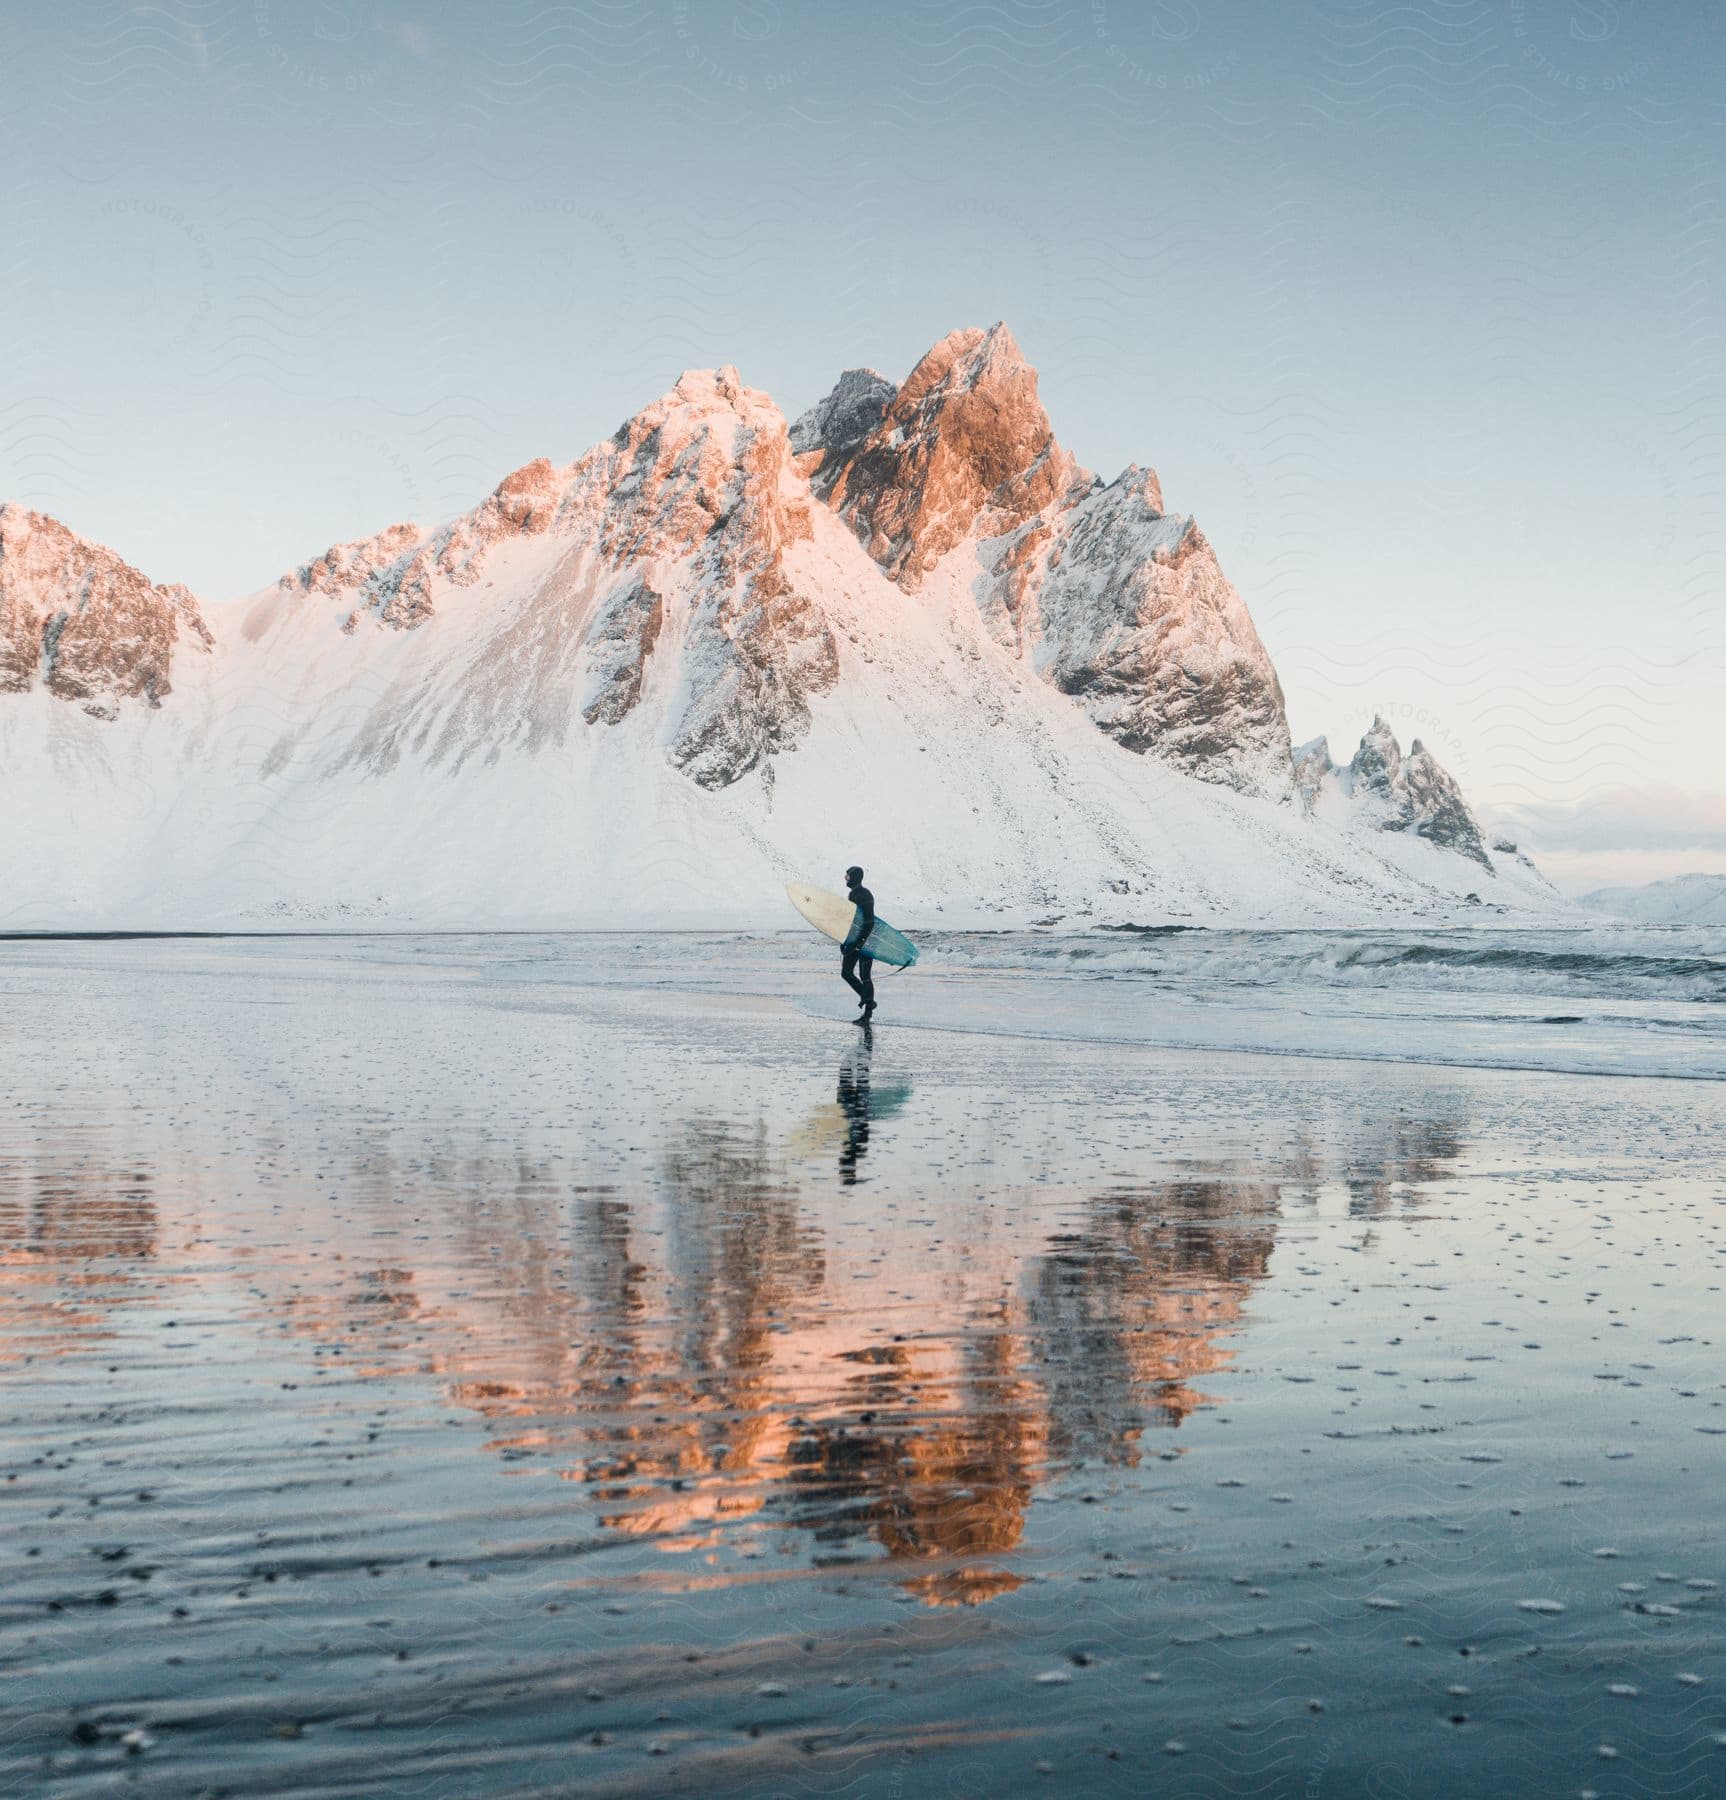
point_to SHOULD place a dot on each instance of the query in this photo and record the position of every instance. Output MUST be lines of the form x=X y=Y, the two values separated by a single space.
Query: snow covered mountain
x=1679 y=900
x=713 y=653
x=1102 y=593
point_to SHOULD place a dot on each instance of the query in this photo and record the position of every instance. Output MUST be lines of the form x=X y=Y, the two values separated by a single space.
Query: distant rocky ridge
x=88 y=626
x=716 y=560
x=1395 y=793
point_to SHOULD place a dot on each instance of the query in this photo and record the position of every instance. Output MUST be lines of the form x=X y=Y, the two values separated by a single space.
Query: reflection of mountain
x=1380 y=1162
x=1411 y=1154
x=724 y=1353
x=938 y=1465
x=737 y=1258
x=71 y=1238
x=1127 y=1311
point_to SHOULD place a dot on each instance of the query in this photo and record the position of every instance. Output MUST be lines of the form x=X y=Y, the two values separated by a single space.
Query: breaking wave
x=1617 y=962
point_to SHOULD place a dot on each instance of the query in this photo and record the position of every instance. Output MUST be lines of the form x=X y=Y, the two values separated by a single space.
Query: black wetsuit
x=856 y=965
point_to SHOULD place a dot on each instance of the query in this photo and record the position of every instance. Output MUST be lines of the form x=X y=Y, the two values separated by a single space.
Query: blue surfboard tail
x=887 y=945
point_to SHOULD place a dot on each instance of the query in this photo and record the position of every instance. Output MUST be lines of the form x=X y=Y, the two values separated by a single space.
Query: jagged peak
x=532 y=477
x=838 y=422
x=966 y=360
x=1143 y=483
x=1378 y=760
x=702 y=393
x=49 y=546
x=696 y=385
x=528 y=498
x=17 y=521
x=1400 y=793
x=83 y=622
x=351 y=562
x=710 y=410
x=964 y=444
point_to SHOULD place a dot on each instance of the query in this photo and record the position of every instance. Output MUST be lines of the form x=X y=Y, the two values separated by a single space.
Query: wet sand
x=444 y=1367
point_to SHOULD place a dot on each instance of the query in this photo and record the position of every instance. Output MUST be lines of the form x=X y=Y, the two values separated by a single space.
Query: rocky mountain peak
x=526 y=501
x=1437 y=807
x=964 y=448
x=393 y=574
x=1124 y=607
x=706 y=478
x=1312 y=764
x=1377 y=764
x=1394 y=792
x=710 y=455
x=1143 y=484
x=346 y=567
x=88 y=626
x=825 y=436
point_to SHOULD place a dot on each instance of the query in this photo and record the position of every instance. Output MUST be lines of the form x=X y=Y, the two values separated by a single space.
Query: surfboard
x=834 y=914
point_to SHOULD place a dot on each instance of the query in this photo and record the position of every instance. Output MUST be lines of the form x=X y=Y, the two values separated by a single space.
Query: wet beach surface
x=504 y=1366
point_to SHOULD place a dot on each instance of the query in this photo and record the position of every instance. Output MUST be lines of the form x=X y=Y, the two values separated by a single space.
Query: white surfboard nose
x=827 y=912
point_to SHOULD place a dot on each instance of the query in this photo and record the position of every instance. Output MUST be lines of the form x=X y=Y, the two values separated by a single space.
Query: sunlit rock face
x=87 y=626
x=757 y=646
x=667 y=546
x=1384 y=789
x=964 y=449
x=1115 y=602
x=395 y=575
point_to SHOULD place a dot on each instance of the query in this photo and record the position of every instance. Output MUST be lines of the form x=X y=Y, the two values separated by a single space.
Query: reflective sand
x=476 y=1366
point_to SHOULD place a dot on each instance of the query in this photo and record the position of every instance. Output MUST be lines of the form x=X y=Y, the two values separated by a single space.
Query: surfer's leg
x=866 y=987
x=848 y=969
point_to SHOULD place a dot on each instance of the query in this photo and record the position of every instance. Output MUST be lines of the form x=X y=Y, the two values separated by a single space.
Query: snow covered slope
x=707 y=657
x=1680 y=900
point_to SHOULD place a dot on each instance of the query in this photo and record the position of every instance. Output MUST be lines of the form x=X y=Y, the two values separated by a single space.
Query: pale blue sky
x=1418 y=309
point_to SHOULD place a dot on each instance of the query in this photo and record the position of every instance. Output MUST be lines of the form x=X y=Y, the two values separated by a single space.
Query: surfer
x=856 y=964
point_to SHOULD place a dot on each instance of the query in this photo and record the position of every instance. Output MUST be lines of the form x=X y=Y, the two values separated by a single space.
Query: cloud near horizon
x=1635 y=818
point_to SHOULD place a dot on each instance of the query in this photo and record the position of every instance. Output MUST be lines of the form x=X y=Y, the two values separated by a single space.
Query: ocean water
x=519 y=1365
x=1606 y=999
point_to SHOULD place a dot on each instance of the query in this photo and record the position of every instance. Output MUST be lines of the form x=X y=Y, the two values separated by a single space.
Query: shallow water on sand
x=487 y=1366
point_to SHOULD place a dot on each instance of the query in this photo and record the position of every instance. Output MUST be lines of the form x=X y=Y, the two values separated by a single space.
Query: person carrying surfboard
x=855 y=963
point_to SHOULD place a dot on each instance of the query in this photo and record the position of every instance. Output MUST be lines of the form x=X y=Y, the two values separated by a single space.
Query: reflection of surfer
x=855 y=963
x=854 y=1103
